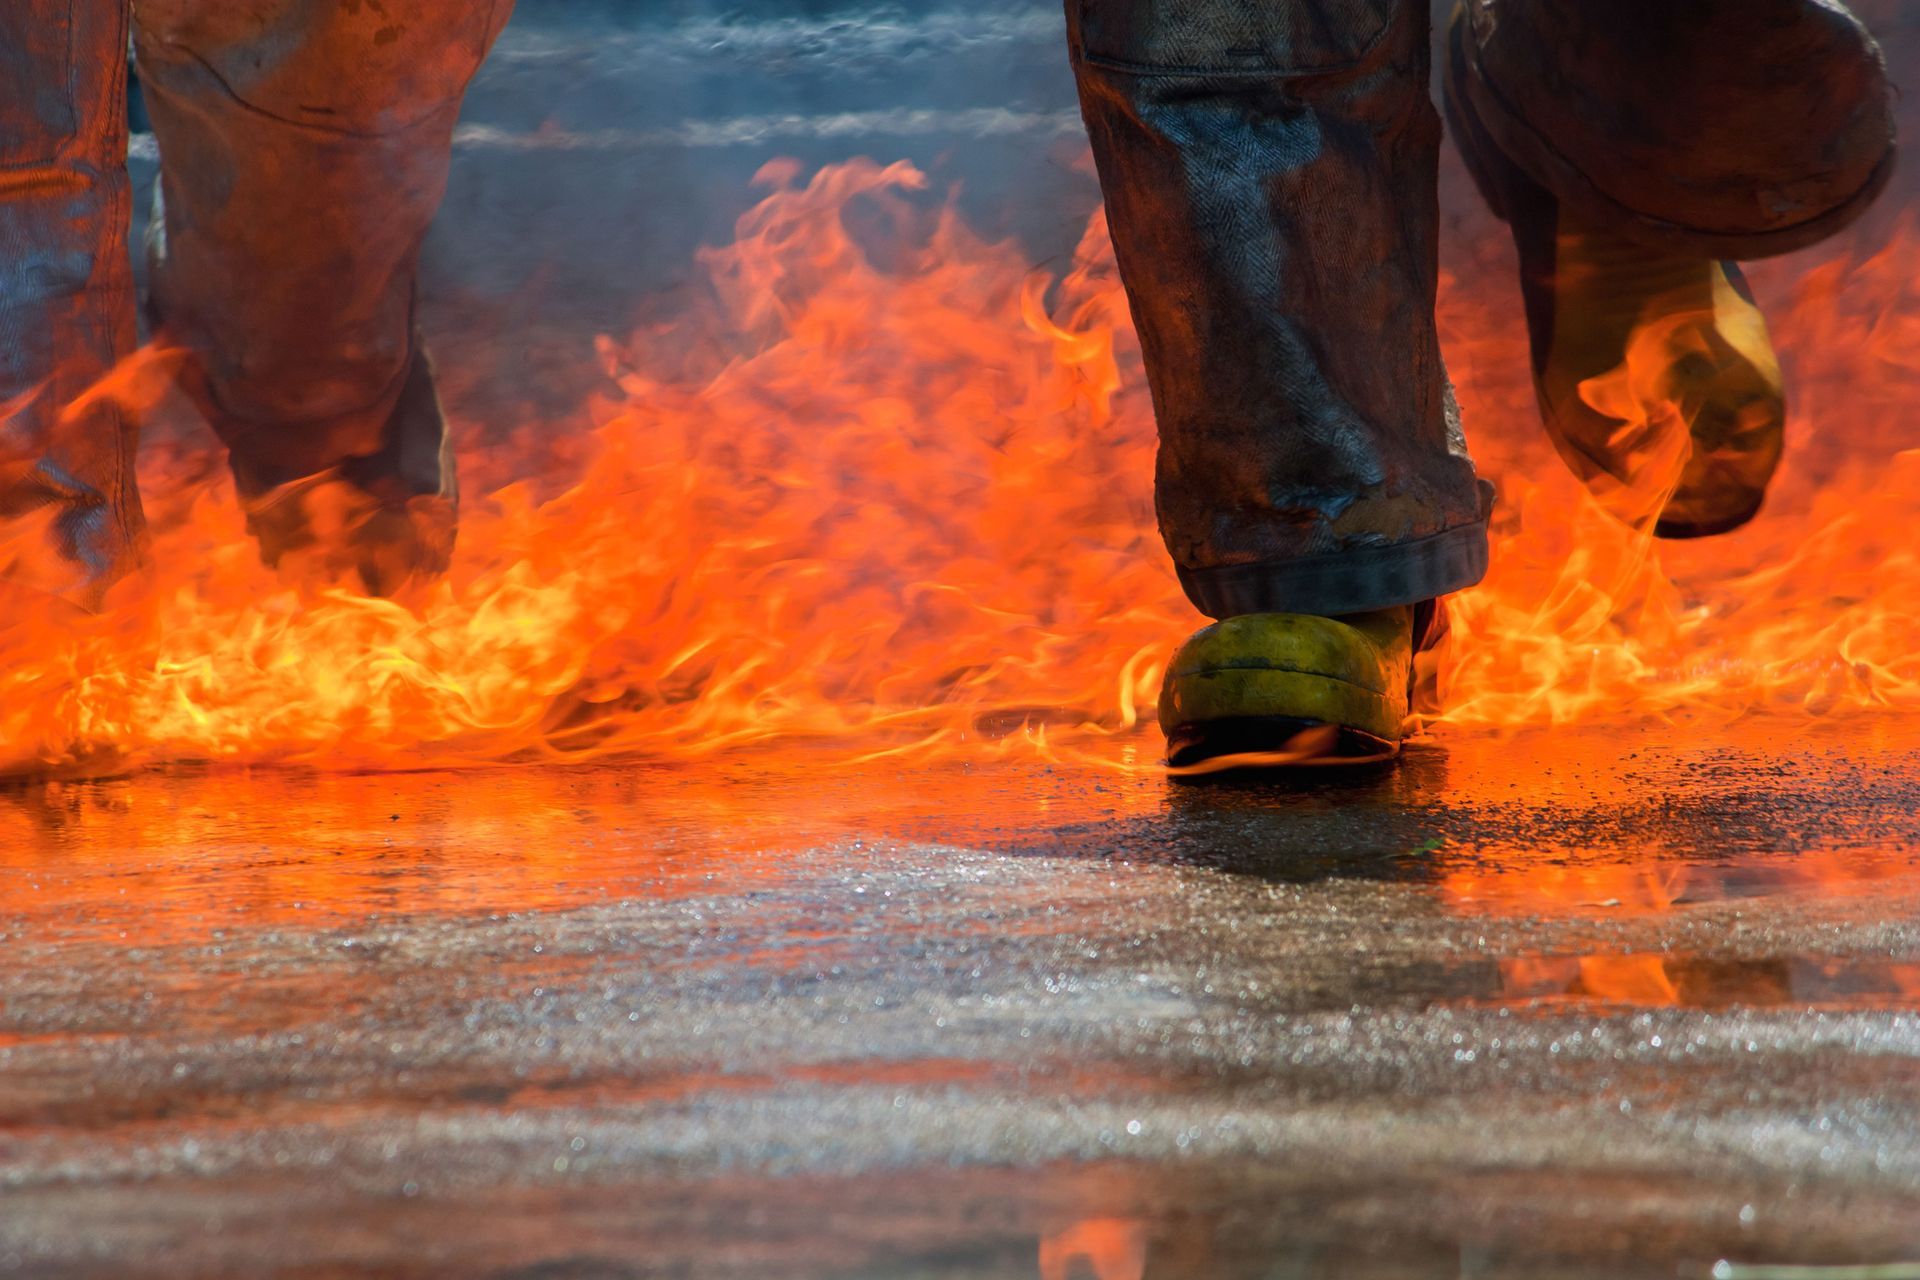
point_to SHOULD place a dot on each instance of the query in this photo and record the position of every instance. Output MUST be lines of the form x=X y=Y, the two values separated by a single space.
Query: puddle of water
x=1707 y=982
x=1105 y=1248
x=1557 y=882
x=1596 y=825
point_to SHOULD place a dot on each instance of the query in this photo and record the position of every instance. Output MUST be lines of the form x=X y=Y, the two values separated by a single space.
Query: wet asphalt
x=1615 y=1002
x=1589 y=1004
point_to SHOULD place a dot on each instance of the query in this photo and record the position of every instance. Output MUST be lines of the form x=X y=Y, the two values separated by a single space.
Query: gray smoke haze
x=606 y=140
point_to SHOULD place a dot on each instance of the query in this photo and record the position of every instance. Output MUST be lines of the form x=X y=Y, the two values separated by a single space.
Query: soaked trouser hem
x=1271 y=172
x=1345 y=582
x=304 y=151
x=70 y=522
x=304 y=148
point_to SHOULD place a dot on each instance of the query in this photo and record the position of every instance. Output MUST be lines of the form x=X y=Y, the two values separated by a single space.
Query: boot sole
x=1270 y=742
x=1265 y=718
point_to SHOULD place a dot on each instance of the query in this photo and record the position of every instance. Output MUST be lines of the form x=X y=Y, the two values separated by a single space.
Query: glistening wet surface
x=1586 y=1004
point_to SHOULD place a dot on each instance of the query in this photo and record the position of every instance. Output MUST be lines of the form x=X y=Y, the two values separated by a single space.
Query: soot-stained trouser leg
x=304 y=149
x=1637 y=148
x=1269 y=168
x=70 y=510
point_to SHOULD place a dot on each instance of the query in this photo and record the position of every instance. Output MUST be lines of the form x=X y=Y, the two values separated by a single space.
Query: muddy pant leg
x=305 y=147
x=1269 y=171
x=66 y=299
x=1731 y=128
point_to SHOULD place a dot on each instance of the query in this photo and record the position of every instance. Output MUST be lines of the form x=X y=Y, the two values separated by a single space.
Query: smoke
x=606 y=141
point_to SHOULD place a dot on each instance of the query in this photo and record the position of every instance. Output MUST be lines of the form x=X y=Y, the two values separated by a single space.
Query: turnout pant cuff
x=1344 y=582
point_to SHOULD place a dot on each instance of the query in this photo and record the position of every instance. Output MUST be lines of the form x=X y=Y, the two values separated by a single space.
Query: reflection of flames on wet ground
x=899 y=501
x=1701 y=982
x=1562 y=883
x=1557 y=882
x=1099 y=1248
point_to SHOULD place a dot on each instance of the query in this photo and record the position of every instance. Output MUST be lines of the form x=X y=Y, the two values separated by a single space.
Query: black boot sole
x=1268 y=742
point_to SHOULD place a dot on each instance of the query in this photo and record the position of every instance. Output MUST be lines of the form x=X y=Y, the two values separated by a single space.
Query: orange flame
x=1807 y=610
x=901 y=502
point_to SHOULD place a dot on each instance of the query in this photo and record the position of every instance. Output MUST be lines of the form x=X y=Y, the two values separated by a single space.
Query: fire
x=894 y=495
x=1805 y=611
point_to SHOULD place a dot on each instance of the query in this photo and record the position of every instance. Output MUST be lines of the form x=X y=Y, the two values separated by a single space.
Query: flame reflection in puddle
x=1703 y=982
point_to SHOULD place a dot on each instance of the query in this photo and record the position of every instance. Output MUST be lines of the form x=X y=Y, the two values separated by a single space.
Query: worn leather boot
x=1281 y=689
x=1593 y=294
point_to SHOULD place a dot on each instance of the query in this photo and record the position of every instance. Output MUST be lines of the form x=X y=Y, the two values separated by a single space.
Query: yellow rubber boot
x=1626 y=337
x=1703 y=349
x=1280 y=689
